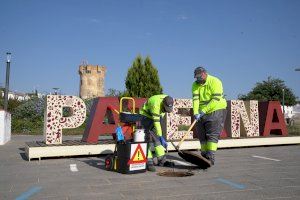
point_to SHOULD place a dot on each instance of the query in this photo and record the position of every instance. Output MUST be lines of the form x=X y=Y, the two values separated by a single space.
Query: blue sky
x=240 y=41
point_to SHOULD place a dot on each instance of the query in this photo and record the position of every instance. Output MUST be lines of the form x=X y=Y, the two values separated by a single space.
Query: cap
x=199 y=70
x=168 y=104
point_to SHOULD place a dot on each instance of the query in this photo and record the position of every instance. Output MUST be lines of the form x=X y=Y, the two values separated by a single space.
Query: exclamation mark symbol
x=138 y=155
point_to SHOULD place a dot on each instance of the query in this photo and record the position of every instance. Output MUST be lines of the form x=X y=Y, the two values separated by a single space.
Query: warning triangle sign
x=138 y=156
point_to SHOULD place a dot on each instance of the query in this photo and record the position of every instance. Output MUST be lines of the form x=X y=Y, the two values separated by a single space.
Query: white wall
x=5 y=127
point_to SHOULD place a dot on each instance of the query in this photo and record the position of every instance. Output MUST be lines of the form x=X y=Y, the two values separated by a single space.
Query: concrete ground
x=243 y=173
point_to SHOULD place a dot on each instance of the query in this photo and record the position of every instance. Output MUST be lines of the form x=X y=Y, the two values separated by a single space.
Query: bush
x=25 y=126
x=31 y=109
x=294 y=129
x=27 y=118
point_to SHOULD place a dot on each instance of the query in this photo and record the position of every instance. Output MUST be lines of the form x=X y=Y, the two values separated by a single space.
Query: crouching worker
x=151 y=114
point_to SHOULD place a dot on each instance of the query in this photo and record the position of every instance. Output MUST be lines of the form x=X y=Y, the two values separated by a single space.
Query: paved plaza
x=240 y=173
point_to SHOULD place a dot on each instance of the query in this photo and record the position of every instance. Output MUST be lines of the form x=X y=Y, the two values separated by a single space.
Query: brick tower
x=91 y=81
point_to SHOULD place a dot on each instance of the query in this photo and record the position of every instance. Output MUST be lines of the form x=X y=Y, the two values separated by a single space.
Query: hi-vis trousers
x=155 y=149
x=209 y=128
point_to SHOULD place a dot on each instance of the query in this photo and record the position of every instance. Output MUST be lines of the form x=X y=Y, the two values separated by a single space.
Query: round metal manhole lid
x=175 y=174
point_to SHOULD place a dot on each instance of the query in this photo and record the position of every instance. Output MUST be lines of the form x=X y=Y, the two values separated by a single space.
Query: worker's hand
x=163 y=141
x=198 y=116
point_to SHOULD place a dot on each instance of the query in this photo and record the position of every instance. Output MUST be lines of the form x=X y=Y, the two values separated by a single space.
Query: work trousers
x=208 y=129
x=156 y=152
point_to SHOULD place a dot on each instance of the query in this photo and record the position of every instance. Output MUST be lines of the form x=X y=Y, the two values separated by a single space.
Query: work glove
x=163 y=141
x=198 y=116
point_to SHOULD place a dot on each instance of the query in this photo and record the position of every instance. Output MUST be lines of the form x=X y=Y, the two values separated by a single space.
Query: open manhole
x=175 y=174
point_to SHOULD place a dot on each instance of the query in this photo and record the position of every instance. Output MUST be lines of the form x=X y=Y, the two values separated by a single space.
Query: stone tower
x=91 y=81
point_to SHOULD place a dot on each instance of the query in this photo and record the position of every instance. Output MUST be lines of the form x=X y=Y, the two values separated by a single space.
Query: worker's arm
x=195 y=92
x=216 y=96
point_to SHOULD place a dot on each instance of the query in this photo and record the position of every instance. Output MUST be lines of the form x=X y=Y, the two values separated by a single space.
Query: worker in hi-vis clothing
x=209 y=107
x=152 y=112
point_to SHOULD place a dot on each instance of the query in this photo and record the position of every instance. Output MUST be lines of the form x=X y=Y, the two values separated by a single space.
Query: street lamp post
x=297 y=69
x=55 y=90
x=283 y=101
x=8 y=58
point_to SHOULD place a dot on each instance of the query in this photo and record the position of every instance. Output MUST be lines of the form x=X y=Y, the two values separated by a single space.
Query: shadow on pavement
x=94 y=163
x=22 y=154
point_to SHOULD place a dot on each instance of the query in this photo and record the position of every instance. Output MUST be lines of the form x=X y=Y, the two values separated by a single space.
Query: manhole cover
x=175 y=174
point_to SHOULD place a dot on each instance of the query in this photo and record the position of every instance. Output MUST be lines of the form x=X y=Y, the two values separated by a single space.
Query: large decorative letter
x=175 y=119
x=104 y=118
x=96 y=125
x=250 y=126
x=54 y=121
x=272 y=119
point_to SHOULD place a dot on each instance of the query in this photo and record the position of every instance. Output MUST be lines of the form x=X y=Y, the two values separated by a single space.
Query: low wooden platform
x=38 y=149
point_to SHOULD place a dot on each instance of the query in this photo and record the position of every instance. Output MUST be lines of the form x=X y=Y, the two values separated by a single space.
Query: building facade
x=16 y=95
x=92 y=81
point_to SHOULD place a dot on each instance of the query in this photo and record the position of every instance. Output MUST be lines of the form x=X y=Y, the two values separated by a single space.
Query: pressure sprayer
x=130 y=156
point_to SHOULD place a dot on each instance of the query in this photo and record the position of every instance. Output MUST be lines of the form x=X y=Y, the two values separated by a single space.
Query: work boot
x=161 y=160
x=211 y=157
x=150 y=167
x=206 y=155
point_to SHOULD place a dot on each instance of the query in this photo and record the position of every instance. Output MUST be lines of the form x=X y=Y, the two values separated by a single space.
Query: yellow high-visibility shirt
x=208 y=97
x=153 y=110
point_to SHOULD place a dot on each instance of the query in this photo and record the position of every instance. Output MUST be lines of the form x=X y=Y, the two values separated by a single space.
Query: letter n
x=240 y=112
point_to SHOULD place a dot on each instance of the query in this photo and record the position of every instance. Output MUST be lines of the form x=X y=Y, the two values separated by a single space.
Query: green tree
x=114 y=93
x=271 y=89
x=142 y=79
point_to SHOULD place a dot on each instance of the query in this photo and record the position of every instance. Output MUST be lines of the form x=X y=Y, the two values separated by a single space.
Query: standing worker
x=151 y=114
x=209 y=107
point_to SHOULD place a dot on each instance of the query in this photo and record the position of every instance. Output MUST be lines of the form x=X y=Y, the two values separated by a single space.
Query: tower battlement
x=92 y=81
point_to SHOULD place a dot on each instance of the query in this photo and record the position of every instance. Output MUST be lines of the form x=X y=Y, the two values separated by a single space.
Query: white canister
x=139 y=135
